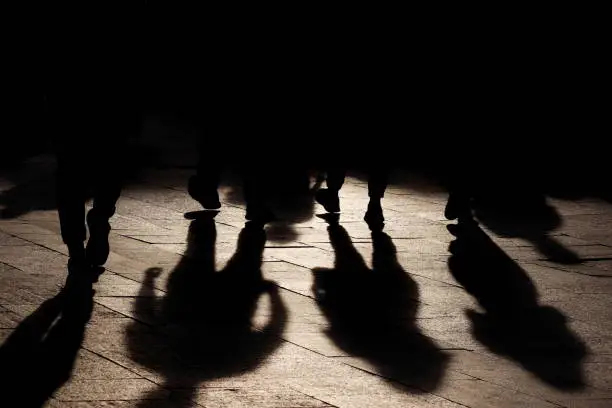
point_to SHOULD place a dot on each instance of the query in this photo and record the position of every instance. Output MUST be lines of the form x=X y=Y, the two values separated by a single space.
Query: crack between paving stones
x=117 y=363
x=13 y=267
x=313 y=397
x=391 y=380
x=561 y=269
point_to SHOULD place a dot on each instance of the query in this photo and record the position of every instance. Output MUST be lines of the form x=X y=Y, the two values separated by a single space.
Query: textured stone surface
x=423 y=328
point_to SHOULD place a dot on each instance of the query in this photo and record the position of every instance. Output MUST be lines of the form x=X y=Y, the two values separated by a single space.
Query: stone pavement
x=515 y=315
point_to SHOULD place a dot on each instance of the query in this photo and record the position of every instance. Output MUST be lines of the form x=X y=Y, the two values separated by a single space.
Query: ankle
x=76 y=251
x=375 y=203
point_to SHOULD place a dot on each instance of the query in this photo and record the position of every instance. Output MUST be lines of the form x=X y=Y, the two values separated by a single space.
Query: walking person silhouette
x=92 y=89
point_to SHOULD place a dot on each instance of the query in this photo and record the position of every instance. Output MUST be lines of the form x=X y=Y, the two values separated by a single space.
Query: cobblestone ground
x=504 y=315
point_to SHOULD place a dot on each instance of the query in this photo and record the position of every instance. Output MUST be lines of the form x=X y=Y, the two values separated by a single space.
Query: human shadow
x=203 y=326
x=33 y=190
x=39 y=356
x=527 y=216
x=514 y=323
x=372 y=312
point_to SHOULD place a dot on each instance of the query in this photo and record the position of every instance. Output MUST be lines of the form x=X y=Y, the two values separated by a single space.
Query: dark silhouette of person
x=78 y=174
x=377 y=184
x=92 y=83
x=514 y=323
x=40 y=353
x=358 y=121
x=372 y=311
x=360 y=93
x=203 y=325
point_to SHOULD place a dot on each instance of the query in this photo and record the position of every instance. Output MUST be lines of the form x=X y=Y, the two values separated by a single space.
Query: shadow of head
x=529 y=218
x=372 y=312
x=523 y=216
x=539 y=340
x=514 y=324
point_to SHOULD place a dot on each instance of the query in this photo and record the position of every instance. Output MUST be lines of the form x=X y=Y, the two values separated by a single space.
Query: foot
x=374 y=216
x=457 y=206
x=98 y=248
x=79 y=274
x=328 y=199
x=77 y=293
x=207 y=197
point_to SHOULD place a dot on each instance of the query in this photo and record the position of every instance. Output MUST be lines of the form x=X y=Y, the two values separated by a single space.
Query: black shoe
x=328 y=200
x=457 y=206
x=77 y=293
x=374 y=218
x=98 y=248
x=79 y=274
x=207 y=197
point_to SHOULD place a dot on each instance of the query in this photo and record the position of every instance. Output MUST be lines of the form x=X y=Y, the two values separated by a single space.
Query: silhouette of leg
x=90 y=115
x=107 y=188
x=107 y=165
x=203 y=187
x=460 y=194
x=335 y=178
x=254 y=195
x=377 y=184
x=71 y=196
x=68 y=119
x=328 y=197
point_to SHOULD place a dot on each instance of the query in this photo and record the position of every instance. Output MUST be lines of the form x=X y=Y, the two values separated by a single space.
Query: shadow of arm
x=278 y=319
x=145 y=307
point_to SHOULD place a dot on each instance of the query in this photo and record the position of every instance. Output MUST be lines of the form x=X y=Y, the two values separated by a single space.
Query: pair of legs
x=203 y=186
x=79 y=176
x=88 y=131
x=378 y=178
